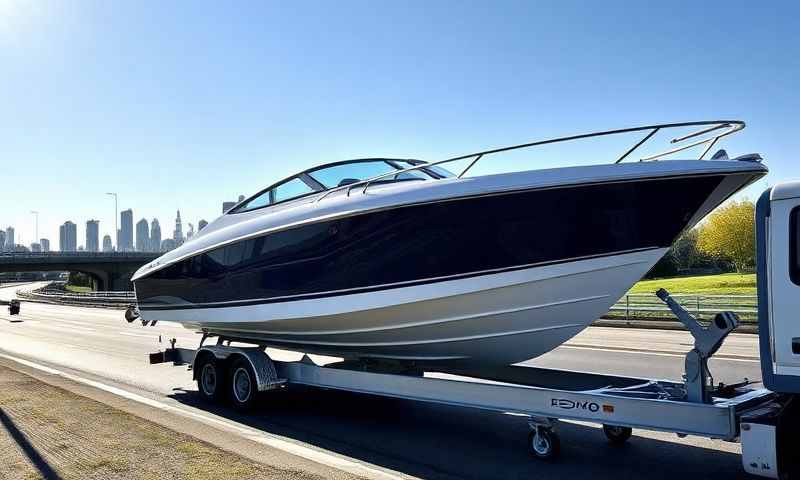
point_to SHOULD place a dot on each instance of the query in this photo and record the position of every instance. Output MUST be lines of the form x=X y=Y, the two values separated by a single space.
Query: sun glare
x=19 y=19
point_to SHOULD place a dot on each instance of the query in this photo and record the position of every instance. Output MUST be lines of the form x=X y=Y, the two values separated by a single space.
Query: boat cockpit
x=338 y=174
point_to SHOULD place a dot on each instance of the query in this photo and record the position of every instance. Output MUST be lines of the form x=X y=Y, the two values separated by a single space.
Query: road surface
x=396 y=436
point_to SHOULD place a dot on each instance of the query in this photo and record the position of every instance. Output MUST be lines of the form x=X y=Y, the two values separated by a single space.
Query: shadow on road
x=436 y=441
x=45 y=470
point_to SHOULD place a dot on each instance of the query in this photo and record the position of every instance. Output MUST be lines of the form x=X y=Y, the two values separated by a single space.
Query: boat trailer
x=758 y=417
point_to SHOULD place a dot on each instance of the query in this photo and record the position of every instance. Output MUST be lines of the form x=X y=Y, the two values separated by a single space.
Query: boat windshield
x=353 y=172
x=287 y=190
x=336 y=175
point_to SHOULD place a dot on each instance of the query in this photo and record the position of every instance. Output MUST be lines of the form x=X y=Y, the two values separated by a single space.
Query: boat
x=404 y=260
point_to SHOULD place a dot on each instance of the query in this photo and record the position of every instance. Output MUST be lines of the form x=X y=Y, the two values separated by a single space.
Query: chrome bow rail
x=715 y=129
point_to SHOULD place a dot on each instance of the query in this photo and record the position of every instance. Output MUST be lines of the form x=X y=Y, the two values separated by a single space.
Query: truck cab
x=778 y=265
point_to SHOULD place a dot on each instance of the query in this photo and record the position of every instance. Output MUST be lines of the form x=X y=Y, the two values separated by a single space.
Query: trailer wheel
x=617 y=435
x=544 y=443
x=210 y=379
x=243 y=385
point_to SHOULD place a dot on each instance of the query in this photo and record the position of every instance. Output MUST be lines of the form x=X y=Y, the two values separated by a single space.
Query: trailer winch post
x=707 y=341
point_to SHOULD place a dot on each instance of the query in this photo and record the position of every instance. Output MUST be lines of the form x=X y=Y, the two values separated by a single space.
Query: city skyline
x=25 y=236
x=68 y=235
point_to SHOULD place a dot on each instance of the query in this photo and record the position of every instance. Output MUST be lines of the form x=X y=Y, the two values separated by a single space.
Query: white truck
x=764 y=418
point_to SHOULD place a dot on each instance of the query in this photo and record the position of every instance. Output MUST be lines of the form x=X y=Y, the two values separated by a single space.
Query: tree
x=729 y=234
x=682 y=256
x=684 y=250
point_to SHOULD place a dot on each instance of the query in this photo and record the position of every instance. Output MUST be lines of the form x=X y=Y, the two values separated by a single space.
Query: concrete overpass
x=110 y=270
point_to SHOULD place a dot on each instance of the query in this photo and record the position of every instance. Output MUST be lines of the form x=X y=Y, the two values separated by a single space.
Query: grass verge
x=77 y=289
x=722 y=284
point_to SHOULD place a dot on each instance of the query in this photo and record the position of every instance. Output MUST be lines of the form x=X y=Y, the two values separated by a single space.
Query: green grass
x=722 y=284
x=77 y=289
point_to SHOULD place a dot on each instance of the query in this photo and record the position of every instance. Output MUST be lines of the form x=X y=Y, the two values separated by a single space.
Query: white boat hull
x=497 y=318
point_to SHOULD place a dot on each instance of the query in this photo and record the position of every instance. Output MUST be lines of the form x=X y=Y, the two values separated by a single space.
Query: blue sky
x=186 y=104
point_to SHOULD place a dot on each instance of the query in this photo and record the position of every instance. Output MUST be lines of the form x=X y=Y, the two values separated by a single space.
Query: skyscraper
x=177 y=235
x=201 y=225
x=45 y=243
x=68 y=237
x=107 y=246
x=10 y=239
x=168 y=244
x=92 y=236
x=228 y=205
x=2 y=240
x=190 y=232
x=155 y=236
x=142 y=236
x=36 y=247
x=125 y=243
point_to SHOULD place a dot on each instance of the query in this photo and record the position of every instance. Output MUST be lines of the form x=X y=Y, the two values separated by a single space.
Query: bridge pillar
x=120 y=282
x=119 y=277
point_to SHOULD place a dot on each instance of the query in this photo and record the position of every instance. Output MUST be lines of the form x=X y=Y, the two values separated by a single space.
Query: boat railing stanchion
x=707 y=341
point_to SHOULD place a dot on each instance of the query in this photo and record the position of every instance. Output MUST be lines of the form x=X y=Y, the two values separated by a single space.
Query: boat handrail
x=723 y=128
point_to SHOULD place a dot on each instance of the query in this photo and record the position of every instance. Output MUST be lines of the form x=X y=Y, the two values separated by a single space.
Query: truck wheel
x=243 y=385
x=210 y=379
x=544 y=443
x=617 y=435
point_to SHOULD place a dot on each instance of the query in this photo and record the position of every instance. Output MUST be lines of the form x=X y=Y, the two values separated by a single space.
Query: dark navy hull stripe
x=377 y=288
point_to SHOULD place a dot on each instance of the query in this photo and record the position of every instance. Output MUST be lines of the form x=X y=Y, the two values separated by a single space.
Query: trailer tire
x=243 y=387
x=544 y=443
x=617 y=435
x=211 y=378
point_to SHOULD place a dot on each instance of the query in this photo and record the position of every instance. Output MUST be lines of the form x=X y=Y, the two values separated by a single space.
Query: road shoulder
x=52 y=424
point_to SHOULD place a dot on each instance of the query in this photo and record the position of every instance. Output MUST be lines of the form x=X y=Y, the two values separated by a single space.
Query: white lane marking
x=71 y=328
x=263 y=438
x=61 y=321
x=140 y=335
x=645 y=352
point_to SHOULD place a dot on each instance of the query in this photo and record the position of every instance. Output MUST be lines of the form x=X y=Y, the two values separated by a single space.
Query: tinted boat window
x=291 y=189
x=287 y=190
x=794 y=245
x=255 y=202
x=233 y=254
x=344 y=173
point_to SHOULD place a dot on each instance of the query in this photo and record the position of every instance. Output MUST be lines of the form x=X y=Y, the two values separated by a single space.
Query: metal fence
x=55 y=293
x=79 y=254
x=646 y=306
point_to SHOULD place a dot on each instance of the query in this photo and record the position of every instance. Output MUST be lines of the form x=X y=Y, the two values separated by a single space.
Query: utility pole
x=116 y=219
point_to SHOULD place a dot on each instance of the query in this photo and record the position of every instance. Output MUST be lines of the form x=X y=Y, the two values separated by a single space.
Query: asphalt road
x=410 y=438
